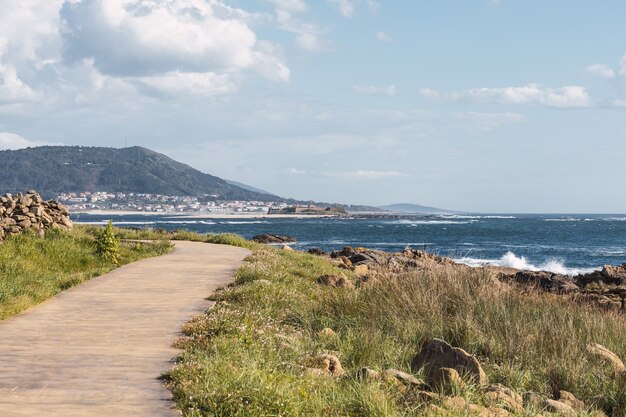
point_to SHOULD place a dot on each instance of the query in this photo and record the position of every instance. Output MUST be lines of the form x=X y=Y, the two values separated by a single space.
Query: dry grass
x=241 y=359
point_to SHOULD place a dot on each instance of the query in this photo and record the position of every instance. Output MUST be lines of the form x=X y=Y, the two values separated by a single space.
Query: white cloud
x=619 y=103
x=602 y=71
x=291 y=6
x=344 y=7
x=295 y=171
x=383 y=37
x=564 y=97
x=308 y=35
x=12 y=88
x=13 y=141
x=390 y=90
x=429 y=93
x=137 y=38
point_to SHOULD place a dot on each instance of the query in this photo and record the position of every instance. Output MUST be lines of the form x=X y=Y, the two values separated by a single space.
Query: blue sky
x=482 y=105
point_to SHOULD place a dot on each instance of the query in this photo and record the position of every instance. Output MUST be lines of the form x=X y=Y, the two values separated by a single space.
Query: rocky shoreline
x=605 y=288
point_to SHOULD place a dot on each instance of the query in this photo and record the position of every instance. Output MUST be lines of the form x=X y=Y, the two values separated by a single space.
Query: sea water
x=566 y=244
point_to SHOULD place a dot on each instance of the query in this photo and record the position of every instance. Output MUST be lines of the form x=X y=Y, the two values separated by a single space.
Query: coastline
x=201 y=215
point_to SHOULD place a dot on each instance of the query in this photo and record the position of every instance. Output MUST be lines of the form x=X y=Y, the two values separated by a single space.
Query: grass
x=33 y=270
x=244 y=357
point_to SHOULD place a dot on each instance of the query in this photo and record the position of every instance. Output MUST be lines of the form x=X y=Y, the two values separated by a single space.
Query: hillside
x=55 y=169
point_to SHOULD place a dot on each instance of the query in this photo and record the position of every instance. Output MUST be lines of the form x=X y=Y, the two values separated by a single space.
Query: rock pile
x=29 y=212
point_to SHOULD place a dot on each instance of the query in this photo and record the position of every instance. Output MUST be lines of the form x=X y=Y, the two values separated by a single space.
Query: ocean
x=566 y=244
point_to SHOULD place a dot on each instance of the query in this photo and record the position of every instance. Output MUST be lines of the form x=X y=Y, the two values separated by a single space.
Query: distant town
x=157 y=203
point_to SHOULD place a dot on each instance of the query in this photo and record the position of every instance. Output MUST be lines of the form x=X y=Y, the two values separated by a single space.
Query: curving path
x=98 y=348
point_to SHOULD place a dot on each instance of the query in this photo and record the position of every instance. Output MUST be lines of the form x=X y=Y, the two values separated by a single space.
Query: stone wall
x=29 y=212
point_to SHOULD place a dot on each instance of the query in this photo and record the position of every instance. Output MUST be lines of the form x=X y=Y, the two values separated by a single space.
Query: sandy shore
x=198 y=215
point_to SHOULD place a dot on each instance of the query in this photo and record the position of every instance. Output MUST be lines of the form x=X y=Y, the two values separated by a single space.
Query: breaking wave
x=511 y=260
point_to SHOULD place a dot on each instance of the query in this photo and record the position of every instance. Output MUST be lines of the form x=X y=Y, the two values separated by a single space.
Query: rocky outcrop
x=28 y=211
x=398 y=261
x=604 y=289
x=438 y=354
x=273 y=239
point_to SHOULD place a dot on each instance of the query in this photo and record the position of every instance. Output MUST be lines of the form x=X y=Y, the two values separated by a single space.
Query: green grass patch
x=244 y=357
x=34 y=269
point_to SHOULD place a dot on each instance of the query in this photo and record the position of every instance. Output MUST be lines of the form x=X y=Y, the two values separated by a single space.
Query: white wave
x=511 y=260
x=427 y=222
x=246 y=222
x=476 y=217
x=563 y=219
x=186 y=222
x=615 y=219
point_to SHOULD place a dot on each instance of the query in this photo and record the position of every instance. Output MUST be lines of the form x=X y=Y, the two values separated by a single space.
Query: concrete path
x=98 y=348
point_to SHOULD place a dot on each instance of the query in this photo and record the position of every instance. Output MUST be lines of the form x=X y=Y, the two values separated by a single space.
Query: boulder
x=402 y=377
x=558 y=407
x=336 y=281
x=439 y=354
x=547 y=281
x=568 y=398
x=328 y=364
x=273 y=239
x=606 y=355
x=367 y=374
x=317 y=252
x=446 y=379
x=498 y=394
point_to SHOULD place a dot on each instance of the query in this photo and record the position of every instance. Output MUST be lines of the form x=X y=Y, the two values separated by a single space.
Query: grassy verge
x=244 y=357
x=33 y=269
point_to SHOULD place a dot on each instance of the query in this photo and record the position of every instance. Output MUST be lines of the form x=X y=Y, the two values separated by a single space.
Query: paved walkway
x=98 y=348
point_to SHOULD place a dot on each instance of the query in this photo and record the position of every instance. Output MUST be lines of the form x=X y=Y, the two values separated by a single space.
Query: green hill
x=55 y=169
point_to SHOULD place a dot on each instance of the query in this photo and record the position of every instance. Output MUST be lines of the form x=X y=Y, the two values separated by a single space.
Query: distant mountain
x=413 y=208
x=248 y=187
x=55 y=169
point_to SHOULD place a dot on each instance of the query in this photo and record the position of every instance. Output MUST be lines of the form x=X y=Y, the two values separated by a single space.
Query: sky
x=477 y=105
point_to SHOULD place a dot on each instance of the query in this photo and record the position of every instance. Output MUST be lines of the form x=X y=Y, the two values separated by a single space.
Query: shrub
x=107 y=244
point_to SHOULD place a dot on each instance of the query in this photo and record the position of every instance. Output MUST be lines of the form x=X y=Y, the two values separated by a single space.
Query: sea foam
x=511 y=260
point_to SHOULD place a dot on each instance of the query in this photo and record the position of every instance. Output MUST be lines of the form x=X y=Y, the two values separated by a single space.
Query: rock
x=337 y=281
x=533 y=400
x=568 y=398
x=446 y=379
x=267 y=238
x=317 y=252
x=439 y=354
x=402 y=377
x=367 y=374
x=454 y=403
x=287 y=248
x=328 y=364
x=498 y=394
x=603 y=353
x=361 y=270
x=327 y=332
x=547 y=281
x=554 y=406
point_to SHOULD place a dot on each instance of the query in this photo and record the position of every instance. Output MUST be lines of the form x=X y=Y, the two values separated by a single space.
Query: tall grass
x=33 y=269
x=242 y=358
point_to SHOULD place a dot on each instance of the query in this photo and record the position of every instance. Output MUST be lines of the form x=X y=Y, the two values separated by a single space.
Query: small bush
x=108 y=245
